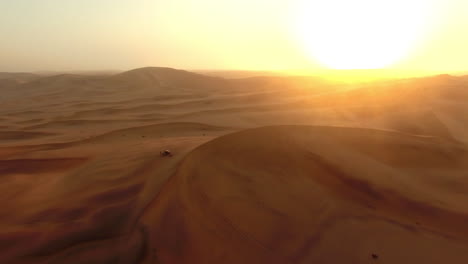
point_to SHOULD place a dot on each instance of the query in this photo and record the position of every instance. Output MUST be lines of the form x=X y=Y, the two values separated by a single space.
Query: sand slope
x=295 y=194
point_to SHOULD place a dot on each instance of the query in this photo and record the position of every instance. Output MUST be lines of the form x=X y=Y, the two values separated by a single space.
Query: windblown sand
x=264 y=169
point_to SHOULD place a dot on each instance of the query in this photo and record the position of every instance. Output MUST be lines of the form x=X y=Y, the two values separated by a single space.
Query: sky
x=66 y=35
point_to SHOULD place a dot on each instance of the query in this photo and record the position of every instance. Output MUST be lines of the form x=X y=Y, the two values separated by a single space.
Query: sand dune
x=313 y=194
x=268 y=169
x=168 y=78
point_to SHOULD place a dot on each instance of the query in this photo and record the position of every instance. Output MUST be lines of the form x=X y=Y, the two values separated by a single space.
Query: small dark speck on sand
x=375 y=256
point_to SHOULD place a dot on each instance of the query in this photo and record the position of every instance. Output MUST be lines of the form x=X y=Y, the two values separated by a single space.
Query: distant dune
x=18 y=76
x=264 y=169
x=170 y=79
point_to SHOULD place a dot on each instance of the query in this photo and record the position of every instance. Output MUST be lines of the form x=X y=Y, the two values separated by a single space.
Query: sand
x=267 y=169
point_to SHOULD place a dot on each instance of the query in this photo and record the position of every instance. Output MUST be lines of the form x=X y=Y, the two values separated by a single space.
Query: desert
x=264 y=169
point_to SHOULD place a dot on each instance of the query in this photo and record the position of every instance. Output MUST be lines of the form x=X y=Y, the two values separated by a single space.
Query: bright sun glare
x=361 y=34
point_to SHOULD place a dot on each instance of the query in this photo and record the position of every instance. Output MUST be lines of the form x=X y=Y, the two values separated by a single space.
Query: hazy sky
x=223 y=34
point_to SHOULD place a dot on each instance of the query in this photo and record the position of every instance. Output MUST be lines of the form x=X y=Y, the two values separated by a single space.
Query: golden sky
x=409 y=35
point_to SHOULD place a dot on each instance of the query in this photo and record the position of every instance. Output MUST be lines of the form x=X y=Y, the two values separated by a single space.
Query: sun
x=360 y=34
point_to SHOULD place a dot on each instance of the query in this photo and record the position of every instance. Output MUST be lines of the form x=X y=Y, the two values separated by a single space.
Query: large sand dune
x=300 y=194
x=265 y=169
